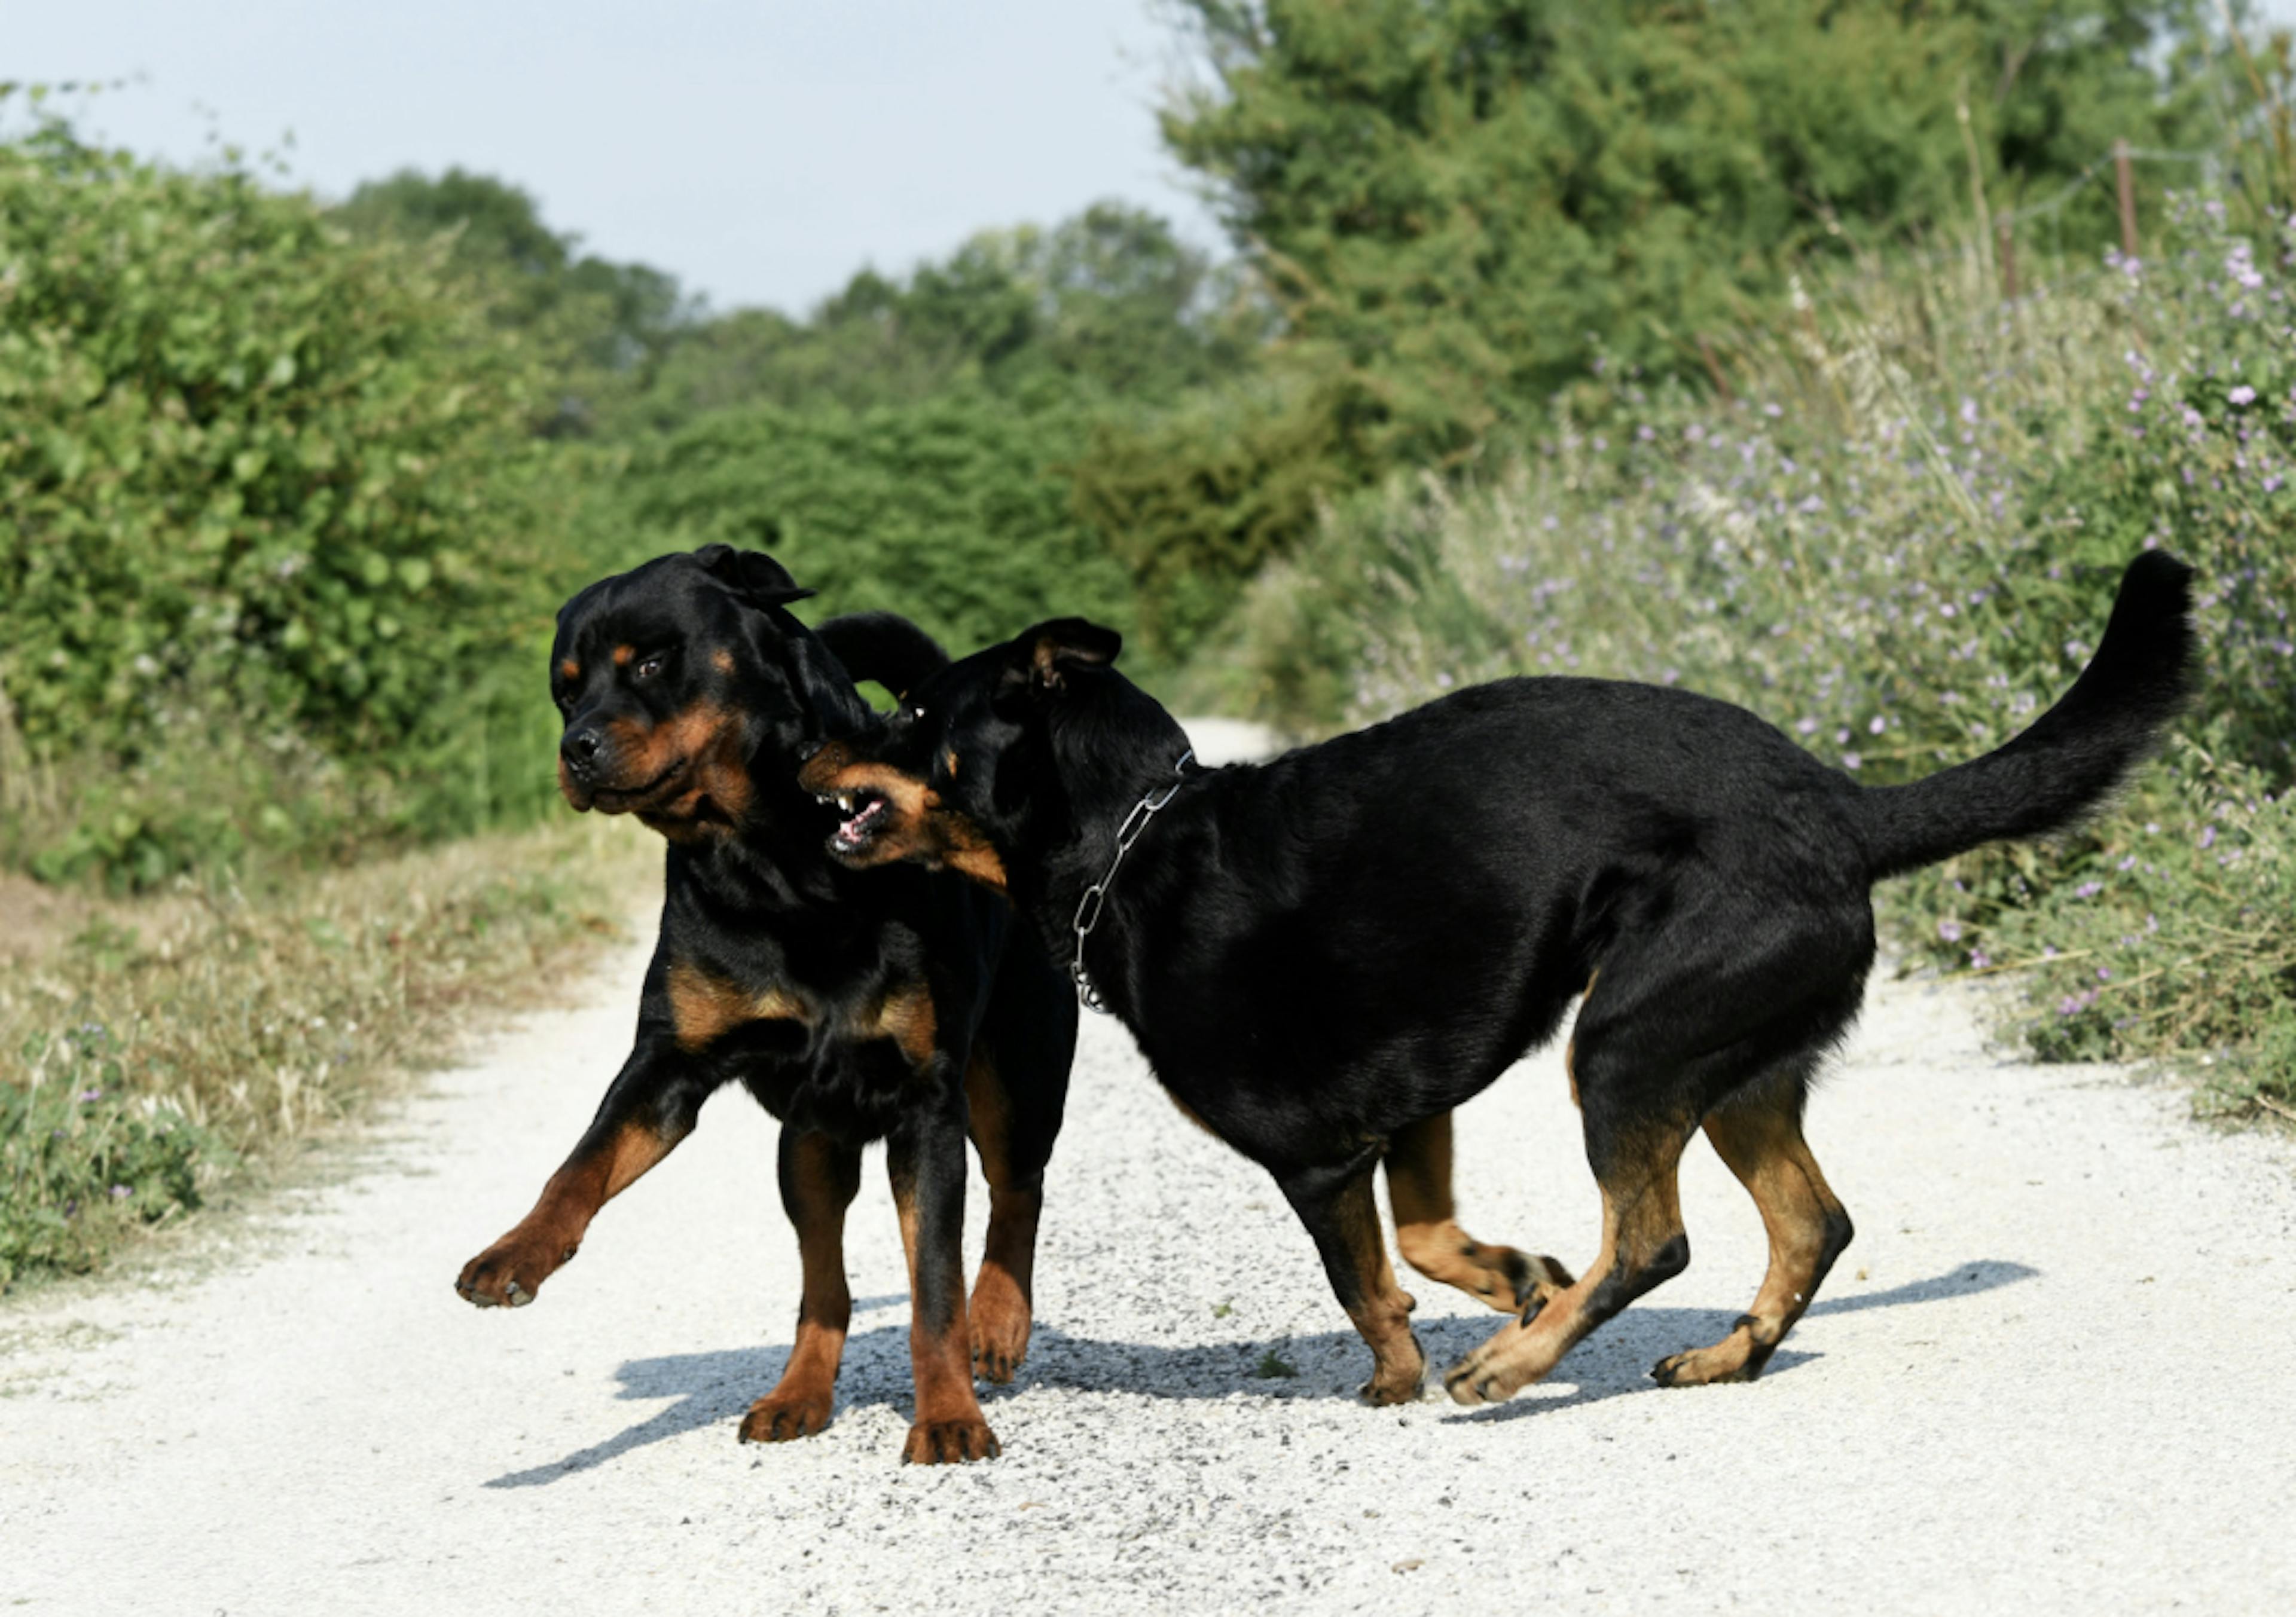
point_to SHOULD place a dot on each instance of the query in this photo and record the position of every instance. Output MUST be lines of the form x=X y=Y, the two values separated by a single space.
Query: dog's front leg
x=925 y=1159
x=649 y=1108
x=1336 y=1204
x=819 y=1178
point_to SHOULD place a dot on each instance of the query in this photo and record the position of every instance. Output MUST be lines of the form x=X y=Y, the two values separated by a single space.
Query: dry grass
x=151 y=1049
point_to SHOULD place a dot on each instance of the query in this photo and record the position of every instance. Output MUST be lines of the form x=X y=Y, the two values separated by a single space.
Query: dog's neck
x=1108 y=784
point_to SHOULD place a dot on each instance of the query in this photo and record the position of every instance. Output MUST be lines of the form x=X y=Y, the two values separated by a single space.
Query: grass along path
x=156 y=1052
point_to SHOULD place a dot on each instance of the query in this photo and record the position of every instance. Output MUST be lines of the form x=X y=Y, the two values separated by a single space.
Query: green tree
x=1109 y=305
x=952 y=510
x=1459 y=198
x=254 y=475
x=598 y=328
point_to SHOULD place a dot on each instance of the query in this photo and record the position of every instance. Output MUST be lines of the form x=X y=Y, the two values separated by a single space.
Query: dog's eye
x=650 y=666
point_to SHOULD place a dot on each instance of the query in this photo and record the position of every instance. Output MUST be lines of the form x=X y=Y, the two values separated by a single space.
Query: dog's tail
x=2071 y=757
x=884 y=647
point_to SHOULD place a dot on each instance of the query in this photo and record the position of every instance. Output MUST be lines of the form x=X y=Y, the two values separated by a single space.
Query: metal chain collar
x=1088 y=907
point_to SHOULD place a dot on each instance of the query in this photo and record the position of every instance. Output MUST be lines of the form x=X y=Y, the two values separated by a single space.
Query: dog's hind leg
x=1716 y=993
x=1642 y=1244
x=1757 y=1132
x=1000 y=1315
x=819 y=1179
x=1337 y=1205
x=1427 y=1227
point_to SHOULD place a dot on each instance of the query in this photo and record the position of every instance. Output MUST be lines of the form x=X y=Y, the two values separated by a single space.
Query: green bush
x=1197 y=498
x=259 y=485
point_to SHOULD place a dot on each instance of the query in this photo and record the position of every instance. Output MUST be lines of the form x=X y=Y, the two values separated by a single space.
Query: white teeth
x=845 y=802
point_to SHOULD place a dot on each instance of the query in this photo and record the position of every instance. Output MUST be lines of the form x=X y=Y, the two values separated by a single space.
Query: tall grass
x=1898 y=541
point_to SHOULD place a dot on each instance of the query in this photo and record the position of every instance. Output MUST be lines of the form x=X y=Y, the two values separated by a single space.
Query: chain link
x=1088 y=907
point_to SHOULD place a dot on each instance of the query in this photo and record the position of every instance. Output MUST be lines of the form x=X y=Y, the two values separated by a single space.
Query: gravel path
x=2052 y=1374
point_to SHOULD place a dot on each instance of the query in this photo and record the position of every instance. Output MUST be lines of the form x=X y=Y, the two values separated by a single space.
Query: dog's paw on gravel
x=1725 y=1361
x=508 y=1273
x=1379 y=1394
x=942 y=1443
x=1476 y=1379
x=1000 y=1337
x=1396 y=1384
x=781 y=1417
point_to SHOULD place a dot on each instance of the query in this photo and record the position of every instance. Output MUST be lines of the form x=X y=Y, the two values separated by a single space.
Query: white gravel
x=2051 y=1375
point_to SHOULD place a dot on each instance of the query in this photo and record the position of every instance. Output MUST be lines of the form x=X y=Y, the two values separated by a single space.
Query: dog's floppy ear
x=1050 y=654
x=752 y=574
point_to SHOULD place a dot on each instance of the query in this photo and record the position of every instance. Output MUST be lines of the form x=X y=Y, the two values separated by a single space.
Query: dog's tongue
x=855 y=831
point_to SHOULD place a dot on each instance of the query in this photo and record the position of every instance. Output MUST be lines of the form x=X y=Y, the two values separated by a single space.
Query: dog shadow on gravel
x=711 y=1388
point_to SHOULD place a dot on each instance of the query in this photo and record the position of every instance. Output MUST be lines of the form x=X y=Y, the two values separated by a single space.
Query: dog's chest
x=839 y=1061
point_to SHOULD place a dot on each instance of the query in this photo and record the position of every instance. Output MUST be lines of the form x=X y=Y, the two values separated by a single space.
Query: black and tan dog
x=1325 y=954
x=854 y=1006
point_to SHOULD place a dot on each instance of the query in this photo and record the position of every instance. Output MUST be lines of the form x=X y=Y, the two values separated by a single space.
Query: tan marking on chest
x=704 y=1008
x=905 y=1016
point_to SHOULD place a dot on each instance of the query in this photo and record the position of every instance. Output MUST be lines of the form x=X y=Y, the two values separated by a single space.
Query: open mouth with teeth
x=865 y=811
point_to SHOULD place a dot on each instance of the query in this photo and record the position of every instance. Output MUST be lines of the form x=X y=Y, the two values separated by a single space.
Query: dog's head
x=1001 y=754
x=674 y=677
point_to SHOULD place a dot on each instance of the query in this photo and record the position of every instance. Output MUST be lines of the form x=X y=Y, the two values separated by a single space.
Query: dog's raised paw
x=505 y=1275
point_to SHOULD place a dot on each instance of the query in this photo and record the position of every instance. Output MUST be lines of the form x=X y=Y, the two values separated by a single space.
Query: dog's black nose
x=580 y=748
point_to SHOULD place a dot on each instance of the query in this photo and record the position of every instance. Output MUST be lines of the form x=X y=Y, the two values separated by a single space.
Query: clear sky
x=760 y=152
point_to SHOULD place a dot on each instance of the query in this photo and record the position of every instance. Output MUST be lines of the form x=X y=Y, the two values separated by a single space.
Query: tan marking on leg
x=1642 y=1218
x=1382 y=1315
x=803 y=1400
x=1001 y=1309
x=513 y=1269
x=704 y=1008
x=949 y=1425
x=1571 y=1047
x=1427 y=1229
x=1762 y=1144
